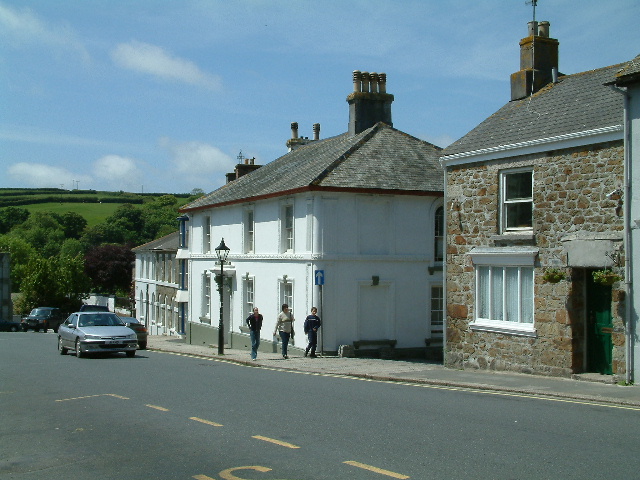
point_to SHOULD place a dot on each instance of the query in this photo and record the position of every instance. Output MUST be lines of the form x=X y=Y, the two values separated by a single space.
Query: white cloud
x=21 y=27
x=195 y=162
x=41 y=175
x=118 y=173
x=153 y=60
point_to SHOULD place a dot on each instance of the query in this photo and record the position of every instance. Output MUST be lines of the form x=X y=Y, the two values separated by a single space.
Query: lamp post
x=222 y=251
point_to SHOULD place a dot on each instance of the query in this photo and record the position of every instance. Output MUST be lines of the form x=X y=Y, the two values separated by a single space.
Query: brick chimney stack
x=369 y=103
x=538 y=61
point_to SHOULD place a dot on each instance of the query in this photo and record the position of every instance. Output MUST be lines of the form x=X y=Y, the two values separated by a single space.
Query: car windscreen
x=99 y=321
x=39 y=312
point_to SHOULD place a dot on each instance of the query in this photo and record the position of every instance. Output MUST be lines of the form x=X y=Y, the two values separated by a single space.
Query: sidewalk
x=589 y=388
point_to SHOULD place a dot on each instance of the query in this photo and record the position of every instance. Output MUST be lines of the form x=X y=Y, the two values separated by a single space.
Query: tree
x=110 y=268
x=39 y=288
x=73 y=224
x=21 y=252
x=12 y=216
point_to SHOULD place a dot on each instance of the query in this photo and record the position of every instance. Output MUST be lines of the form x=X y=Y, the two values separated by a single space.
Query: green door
x=599 y=327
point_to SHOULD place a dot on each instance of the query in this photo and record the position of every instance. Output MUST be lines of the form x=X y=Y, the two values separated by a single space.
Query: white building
x=360 y=212
x=157 y=279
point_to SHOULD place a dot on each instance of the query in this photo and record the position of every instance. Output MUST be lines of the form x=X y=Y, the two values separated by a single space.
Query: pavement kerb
x=420 y=381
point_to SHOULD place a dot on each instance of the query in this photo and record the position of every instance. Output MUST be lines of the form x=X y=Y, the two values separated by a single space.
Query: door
x=599 y=327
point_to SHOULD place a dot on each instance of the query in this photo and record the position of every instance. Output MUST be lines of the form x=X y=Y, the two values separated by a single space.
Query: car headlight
x=133 y=336
x=92 y=337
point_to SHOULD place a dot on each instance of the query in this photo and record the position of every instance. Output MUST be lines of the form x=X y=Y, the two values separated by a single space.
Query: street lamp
x=222 y=251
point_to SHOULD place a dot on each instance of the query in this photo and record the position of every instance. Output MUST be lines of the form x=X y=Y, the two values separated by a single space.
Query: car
x=9 y=326
x=96 y=332
x=135 y=325
x=42 y=318
x=94 y=308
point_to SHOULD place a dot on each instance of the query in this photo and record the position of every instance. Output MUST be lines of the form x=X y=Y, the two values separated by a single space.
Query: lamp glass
x=222 y=251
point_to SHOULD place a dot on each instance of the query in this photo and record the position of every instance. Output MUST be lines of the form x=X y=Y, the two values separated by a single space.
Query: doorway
x=599 y=327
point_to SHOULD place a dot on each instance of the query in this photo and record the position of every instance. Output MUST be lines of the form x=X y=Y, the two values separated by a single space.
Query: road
x=164 y=416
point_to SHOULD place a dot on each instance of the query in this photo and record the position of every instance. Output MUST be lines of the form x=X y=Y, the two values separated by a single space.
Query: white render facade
x=380 y=255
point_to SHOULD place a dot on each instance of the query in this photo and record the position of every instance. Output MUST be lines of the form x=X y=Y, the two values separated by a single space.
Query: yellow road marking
x=277 y=442
x=376 y=470
x=162 y=409
x=346 y=376
x=208 y=422
x=202 y=477
x=93 y=396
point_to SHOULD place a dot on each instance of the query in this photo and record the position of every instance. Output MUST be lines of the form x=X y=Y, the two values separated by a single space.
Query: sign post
x=319 y=281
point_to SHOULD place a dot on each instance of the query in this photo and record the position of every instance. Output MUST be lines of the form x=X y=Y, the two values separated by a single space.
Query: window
x=206 y=235
x=249 y=232
x=206 y=295
x=504 y=289
x=249 y=296
x=287 y=231
x=505 y=294
x=517 y=200
x=437 y=308
x=287 y=294
x=439 y=235
x=184 y=274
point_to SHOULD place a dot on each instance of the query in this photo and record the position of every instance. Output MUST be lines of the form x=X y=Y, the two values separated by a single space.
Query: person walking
x=311 y=325
x=284 y=326
x=254 y=320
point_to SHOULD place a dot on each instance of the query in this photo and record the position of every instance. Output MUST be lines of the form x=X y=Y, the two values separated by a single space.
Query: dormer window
x=517 y=200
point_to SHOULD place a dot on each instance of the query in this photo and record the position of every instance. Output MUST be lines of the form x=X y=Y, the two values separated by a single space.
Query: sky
x=163 y=95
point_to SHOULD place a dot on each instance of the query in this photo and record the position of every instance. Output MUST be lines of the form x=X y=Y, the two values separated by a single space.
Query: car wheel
x=36 y=329
x=14 y=329
x=78 y=352
x=131 y=353
x=61 y=349
x=142 y=345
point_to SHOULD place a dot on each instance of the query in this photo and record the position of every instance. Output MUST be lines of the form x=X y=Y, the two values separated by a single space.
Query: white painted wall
x=634 y=151
x=352 y=237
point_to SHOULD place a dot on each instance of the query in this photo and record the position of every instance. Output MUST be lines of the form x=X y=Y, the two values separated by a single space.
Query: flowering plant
x=606 y=277
x=553 y=275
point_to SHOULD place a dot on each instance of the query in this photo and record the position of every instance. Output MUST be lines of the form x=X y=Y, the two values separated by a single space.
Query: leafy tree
x=110 y=268
x=73 y=224
x=55 y=282
x=21 y=252
x=43 y=231
x=12 y=216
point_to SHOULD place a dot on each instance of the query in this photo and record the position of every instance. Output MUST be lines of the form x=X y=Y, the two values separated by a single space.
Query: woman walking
x=284 y=326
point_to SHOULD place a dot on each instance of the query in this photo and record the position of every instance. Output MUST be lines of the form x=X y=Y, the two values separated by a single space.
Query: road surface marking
x=376 y=470
x=277 y=442
x=162 y=409
x=208 y=422
x=93 y=396
x=202 y=477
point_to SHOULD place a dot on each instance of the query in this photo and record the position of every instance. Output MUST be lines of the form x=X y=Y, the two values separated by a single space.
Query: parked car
x=96 y=332
x=135 y=325
x=10 y=326
x=94 y=308
x=43 y=318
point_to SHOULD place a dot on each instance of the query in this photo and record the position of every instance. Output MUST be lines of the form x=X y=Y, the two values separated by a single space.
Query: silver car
x=96 y=332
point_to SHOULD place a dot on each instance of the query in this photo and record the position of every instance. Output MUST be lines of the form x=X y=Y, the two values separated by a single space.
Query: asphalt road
x=164 y=416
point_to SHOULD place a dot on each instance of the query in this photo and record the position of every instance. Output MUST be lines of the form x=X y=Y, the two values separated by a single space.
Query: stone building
x=352 y=224
x=536 y=190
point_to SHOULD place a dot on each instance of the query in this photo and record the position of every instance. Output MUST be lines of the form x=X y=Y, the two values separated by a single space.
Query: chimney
x=295 y=141
x=369 y=103
x=538 y=59
x=243 y=167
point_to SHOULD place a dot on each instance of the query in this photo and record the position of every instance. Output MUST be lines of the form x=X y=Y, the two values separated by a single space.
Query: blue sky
x=162 y=95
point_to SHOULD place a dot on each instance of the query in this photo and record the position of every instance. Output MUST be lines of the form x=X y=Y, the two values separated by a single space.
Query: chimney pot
x=316 y=131
x=543 y=29
x=294 y=130
x=375 y=82
x=365 y=82
x=382 y=86
x=533 y=28
x=357 y=81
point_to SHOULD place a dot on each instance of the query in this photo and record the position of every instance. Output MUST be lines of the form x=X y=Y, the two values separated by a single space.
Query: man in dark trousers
x=311 y=326
x=255 y=324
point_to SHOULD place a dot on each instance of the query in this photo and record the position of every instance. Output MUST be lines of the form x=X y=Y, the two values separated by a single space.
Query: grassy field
x=94 y=213
x=94 y=206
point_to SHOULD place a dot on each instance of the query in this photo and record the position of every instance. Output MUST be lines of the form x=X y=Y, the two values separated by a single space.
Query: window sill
x=505 y=328
x=513 y=237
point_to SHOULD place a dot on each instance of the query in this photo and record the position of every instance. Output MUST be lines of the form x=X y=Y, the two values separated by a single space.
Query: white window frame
x=286 y=293
x=288 y=223
x=249 y=231
x=206 y=296
x=249 y=295
x=497 y=260
x=438 y=235
x=506 y=202
x=206 y=235
x=437 y=307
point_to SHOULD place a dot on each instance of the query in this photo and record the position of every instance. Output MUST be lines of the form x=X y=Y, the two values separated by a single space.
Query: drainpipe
x=629 y=328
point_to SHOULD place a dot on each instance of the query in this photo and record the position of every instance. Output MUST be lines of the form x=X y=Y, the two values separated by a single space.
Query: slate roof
x=630 y=73
x=577 y=103
x=380 y=158
x=168 y=243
